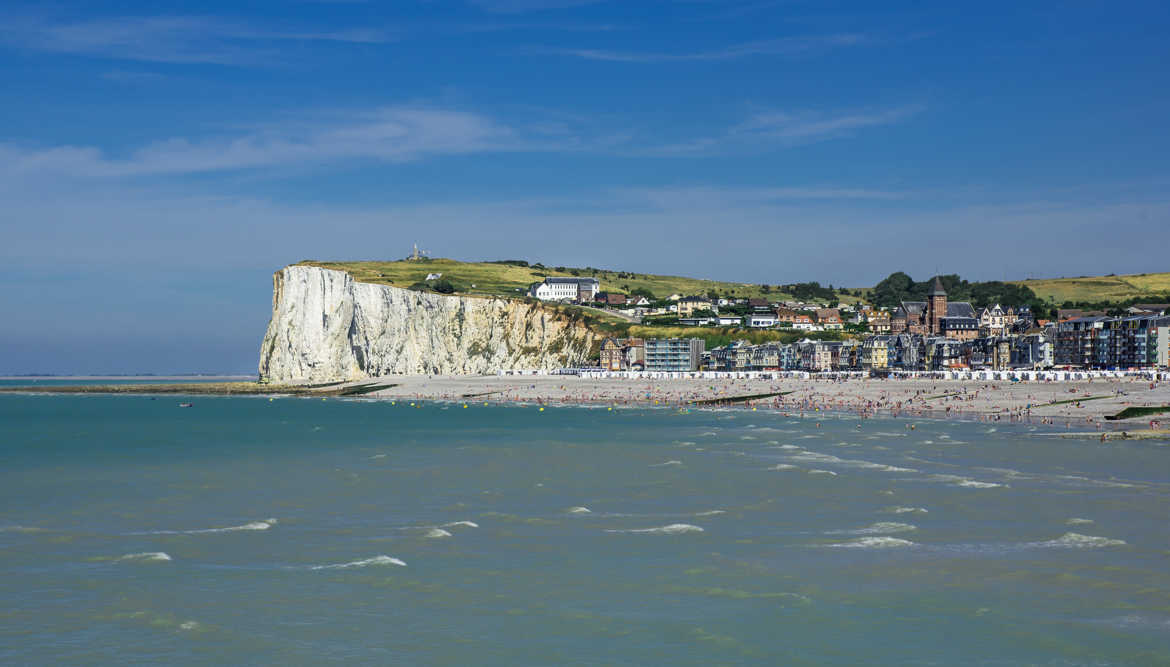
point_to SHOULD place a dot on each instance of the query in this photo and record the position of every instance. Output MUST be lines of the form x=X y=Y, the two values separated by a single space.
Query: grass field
x=1099 y=288
x=506 y=280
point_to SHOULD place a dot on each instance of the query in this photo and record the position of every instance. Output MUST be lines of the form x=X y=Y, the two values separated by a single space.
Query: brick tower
x=936 y=307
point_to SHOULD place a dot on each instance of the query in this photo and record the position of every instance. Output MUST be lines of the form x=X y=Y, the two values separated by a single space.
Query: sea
x=300 y=531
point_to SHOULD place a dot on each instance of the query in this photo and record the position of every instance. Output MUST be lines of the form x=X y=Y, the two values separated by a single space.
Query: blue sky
x=158 y=161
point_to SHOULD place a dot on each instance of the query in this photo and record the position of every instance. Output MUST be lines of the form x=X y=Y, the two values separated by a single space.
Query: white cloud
x=808 y=125
x=167 y=39
x=393 y=134
x=787 y=46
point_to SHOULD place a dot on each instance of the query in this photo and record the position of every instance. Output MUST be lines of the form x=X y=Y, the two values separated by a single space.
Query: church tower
x=936 y=307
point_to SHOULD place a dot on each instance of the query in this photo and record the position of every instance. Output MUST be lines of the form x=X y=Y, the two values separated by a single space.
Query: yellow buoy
x=609 y=409
x=271 y=400
x=322 y=399
x=464 y=406
x=542 y=410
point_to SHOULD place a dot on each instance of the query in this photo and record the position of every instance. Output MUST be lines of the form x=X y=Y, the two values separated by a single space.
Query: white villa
x=566 y=289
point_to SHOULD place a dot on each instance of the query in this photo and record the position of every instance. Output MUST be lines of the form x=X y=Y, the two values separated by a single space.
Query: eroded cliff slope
x=326 y=327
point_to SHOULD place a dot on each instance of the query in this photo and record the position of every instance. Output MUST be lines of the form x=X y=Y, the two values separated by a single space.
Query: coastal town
x=936 y=334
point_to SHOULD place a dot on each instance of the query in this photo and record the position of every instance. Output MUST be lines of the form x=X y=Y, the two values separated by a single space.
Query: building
x=878 y=321
x=926 y=318
x=566 y=289
x=829 y=319
x=689 y=304
x=729 y=320
x=611 y=298
x=761 y=320
x=674 y=354
x=875 y=353
x=623 y=354
x=1111 y=342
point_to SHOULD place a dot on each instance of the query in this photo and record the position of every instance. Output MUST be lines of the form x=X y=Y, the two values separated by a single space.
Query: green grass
x=1132 y=412
x=1098 y=288
x=490 y=279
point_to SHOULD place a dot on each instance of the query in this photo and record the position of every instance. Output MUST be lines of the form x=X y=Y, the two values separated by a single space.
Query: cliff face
x=326 y=328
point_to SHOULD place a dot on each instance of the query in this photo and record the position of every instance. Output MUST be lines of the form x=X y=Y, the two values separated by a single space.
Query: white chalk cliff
x=326 y=327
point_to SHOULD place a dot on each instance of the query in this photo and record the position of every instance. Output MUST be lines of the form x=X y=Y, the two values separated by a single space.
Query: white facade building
x=565 y=289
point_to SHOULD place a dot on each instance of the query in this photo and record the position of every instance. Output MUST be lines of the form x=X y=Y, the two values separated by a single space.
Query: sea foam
x=461 y=524
x=879 y=528
x=873 y=543
x=579 y=510
x=145 y=557
x=254 y=525
x=1078 y=541
x=437 y=533
x=366 y=562
x=672 y=529
x=672 y=462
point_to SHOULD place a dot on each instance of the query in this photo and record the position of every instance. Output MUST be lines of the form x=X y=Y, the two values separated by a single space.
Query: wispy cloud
x=167 y=39
x=393 y=134
x=127 y=76
x=785 y=46
x=808 y=125
x=769 y=130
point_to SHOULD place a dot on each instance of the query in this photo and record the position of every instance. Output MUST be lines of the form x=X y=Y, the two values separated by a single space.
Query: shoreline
x=1082 y=405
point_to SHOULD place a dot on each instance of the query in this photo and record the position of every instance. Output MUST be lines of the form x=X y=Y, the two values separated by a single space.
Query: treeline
x=899 y=287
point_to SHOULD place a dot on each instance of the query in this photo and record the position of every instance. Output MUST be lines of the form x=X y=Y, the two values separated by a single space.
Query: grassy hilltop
x=1098 y=288
x=500 y=279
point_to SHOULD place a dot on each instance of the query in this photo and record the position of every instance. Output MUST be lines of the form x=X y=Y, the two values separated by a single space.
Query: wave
x=1077 y=521
x=822 y=472
x=711 y=513
x=437 y=533
x=579 y=510
x=906 y=510
x=1078 y=541
x=145 y=557
x=671 y=462
x=879 y=528
x=975 y=484
x=376 y=560
x=872 y=543
x=254 y=525
x=461 y=524
x=22 y=529
x=783 y=466
x=672 y=529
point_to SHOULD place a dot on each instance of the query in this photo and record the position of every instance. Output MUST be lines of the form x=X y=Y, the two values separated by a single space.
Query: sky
x=159 y=161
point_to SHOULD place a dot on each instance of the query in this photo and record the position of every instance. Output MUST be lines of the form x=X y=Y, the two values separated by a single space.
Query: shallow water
x=301 y=531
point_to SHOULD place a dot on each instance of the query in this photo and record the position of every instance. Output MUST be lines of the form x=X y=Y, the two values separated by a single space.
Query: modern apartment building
x=674 y=354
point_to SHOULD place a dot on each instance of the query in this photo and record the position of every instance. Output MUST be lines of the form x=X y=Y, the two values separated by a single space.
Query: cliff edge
x=326 y=327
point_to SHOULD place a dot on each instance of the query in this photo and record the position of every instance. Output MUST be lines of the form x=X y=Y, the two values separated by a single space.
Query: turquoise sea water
x=296 y=531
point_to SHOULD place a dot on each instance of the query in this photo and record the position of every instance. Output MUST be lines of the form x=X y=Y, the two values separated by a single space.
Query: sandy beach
x=1079 y=406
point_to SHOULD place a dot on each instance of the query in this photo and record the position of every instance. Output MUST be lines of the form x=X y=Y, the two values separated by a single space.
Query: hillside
x=1098 y=288
x=499 y=279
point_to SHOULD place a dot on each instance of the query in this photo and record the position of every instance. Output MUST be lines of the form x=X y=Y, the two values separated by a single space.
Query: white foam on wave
x=818 y=457
x=711 y=513
x=579 y=510
x=976 y=484
x=783 y=466
x=1078 y=541
x=189 y=626
x=365 y=562
x=1077 y=521
x=879 y=528
x=672 y=529
x=435 y=533
x=671 y=462
x=145 y=557
x=461 y=524
x=906 y=510
x=873 y=543
x=253 y=525
x=21 y=529
x=788 y=447
x=822 y=472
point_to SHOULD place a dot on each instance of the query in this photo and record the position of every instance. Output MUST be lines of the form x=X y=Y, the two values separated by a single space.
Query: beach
x=1074 y=405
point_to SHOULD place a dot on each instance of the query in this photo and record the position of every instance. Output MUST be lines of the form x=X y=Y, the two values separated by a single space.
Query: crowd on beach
x=1082 y=405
